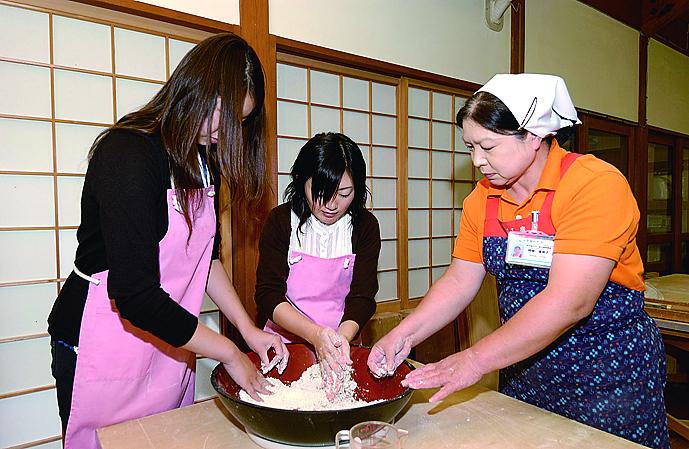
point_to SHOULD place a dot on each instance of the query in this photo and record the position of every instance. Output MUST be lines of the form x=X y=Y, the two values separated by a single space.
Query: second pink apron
x=124 y=372
x=317 y=287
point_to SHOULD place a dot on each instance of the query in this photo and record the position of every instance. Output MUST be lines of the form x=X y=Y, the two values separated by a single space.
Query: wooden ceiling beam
x=657 y=14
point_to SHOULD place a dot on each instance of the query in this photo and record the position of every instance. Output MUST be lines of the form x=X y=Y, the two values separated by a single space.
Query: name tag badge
x=531 y=249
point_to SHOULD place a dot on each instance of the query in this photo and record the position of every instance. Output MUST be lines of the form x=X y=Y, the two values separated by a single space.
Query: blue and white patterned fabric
x=608 y=371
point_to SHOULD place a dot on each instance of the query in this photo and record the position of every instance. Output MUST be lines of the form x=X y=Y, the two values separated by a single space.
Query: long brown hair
x=223 y=66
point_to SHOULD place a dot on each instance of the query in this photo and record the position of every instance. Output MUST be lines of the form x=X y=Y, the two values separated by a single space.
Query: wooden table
x=472 y=418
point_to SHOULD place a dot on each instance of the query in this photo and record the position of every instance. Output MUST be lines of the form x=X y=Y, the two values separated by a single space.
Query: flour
x=308 y=393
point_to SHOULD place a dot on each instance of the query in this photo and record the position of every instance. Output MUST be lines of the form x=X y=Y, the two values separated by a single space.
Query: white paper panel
x=80 y=96
x=68 y=249
x=418 y=283
x=369 y=185
x=387 y=286
x=442 y=222
x=291 y=82
x=442 y=194
x=417 y=223
x=384 y=161
x=25 y=90
x=27 y=255
x=211 y=319
x=324 y=120
x=72 y=47
x=384 y=98
x=20 y=153
x=442 y=165
x=384 y=193
x=442 y=136
x=139 y=54
x=292 y=119
x=73 y=143
x=288 y=149
x=366 y=154
x=69 y=200
x=459 y=142
x=387 y=221
x=283 y=181
x=437 y=272
x=418 y=133
x=131 y=95
x=388 y=255
x=384 y=130
x=178 y=50
x=16 y=191
x=417 y=163
x=26 y=364
x=204 y=389
x=442 y=107
x=325 y=88
x=418 y=253
x=355 y=126
x=29 y=417
x=24 y=34
x=458 y=217
x=459 y=103
x=462 y=190
x=442 y=251
x=418 y=193
x=354 y=93
x=32 y=303
x=418 y=102
x=463 y=166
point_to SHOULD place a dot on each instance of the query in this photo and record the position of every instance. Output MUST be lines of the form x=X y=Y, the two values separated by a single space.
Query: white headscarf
x=540 y=103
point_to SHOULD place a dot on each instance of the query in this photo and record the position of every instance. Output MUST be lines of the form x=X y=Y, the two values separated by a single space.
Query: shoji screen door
x=440 y=175
x=316 y=97
x=63 y=79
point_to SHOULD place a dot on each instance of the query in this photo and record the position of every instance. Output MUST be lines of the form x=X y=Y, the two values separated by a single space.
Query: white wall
x=597 y=56
x=223 y=10
x=668 y=88
x=447 y=37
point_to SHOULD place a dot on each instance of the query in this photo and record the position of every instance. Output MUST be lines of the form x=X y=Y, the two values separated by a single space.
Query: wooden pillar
x=641 y=166
x=517 y=36
x=242 y=227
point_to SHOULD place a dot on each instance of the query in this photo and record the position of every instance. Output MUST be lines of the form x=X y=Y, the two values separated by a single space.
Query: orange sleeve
x=594 y=213
x=470 y=238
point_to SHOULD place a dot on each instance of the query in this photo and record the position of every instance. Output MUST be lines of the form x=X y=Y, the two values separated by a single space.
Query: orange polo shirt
x=594 y=213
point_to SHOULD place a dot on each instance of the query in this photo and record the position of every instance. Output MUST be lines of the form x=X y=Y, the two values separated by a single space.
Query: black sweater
x=123 y=218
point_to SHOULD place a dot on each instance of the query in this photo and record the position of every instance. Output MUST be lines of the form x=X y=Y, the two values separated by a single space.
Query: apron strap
x=86 y=277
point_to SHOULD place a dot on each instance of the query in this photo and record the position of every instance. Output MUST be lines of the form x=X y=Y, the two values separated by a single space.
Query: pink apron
x=124 y=372
x=316 y=287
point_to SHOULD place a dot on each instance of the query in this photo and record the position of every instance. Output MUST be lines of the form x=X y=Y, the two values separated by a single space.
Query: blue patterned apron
x=608 y=371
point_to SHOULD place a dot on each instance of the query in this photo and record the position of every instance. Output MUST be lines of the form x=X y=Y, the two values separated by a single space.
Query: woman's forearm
x=446 y=299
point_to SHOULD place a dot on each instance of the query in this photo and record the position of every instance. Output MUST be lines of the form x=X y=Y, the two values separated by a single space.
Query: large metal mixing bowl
x=314 y=428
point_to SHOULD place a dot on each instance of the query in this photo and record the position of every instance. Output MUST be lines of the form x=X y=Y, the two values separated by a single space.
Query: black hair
x=491 y=113
x=222 y=66
x=324 y=159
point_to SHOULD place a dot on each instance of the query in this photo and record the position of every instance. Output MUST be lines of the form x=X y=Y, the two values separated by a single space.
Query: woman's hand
x=261 y=342
x=243 y=371
x=388 y=354
x=332 y=351
x=452 y=373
